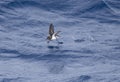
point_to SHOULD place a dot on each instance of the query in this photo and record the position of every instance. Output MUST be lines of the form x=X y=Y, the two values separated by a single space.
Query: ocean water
x=90 y=37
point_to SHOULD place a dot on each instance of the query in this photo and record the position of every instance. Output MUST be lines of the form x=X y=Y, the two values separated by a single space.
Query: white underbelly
x=54 y=37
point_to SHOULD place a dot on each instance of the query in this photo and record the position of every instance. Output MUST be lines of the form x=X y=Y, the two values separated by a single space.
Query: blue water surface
x=88 y=48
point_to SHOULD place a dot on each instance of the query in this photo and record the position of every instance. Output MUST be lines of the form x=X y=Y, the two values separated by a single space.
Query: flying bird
x=52 y=35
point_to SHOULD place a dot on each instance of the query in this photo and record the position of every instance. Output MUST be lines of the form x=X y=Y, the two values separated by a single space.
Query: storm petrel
x=52 y=34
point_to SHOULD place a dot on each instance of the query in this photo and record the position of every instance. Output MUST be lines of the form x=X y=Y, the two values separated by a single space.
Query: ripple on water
x=18 y=79
x=55 y=67
x=79 y=40
x=8 y=55
x=82 y=78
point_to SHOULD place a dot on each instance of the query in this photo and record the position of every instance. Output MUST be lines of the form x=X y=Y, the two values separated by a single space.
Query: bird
x=52 y=35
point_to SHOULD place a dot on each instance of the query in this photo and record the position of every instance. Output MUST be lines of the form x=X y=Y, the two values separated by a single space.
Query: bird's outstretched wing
x=56 y=34
x=51 y=29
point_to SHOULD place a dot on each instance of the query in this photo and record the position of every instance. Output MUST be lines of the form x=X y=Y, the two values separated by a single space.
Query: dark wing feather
x=56 y=34
x=51 y=29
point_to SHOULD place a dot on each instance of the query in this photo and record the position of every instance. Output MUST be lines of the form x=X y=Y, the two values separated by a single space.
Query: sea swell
x=100 y=10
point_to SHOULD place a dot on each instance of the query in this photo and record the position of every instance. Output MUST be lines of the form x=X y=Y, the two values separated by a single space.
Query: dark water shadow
x=79 y=40
x=58 y=46
x=53 y=47
x=55 y=67
x=50 y=57
x=117 y=48
x=112 y=56
x=8 y=51
x=111 y=42
x=82 y=51
x=55 y=54
x=82 y=78
x=18 y=79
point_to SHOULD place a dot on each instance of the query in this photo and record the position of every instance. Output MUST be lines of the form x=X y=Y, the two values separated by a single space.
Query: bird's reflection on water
x=55 y=46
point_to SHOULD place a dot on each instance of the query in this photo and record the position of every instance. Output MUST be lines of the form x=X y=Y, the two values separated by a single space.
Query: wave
x=100 y=10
